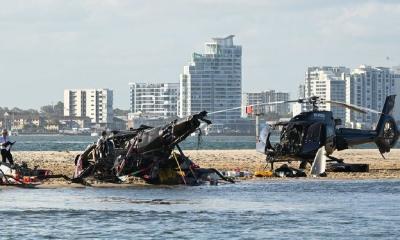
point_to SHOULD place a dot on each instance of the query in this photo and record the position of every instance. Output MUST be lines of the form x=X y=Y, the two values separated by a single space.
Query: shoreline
x=225 y=160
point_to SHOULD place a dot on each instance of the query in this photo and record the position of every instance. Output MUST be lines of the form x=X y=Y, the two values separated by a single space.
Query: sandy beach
x=245 y=160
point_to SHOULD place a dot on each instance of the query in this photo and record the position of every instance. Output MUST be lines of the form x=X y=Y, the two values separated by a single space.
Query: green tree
x=52 y=111
x=59 y=109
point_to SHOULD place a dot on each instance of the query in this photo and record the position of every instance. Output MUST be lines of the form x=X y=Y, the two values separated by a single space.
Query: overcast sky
x=49 y=45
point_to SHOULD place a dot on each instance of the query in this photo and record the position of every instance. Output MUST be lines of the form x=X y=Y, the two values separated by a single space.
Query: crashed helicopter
x=147 y=153
x=312 y=137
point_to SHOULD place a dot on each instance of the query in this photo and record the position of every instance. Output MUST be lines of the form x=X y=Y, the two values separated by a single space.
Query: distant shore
x=245 y=160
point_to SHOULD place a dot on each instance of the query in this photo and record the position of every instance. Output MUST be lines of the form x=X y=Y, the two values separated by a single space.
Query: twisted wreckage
x=147 y=153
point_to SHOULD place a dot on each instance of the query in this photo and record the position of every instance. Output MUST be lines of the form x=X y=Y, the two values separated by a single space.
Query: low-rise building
x=52 y=127
x=36 y=121
x=18 y=123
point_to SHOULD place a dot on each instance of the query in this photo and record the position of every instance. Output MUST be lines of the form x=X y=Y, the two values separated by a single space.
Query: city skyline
x=48 y=46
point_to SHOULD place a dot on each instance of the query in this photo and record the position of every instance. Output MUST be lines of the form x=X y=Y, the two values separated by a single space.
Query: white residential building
x=266 y=97
x=212 y=81
x=97 y=104
x=368 y=87
x=397 y=92
x=328 y=83
x=158 y=99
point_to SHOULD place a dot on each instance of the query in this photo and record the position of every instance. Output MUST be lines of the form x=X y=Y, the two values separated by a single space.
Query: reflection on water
x=262 y=209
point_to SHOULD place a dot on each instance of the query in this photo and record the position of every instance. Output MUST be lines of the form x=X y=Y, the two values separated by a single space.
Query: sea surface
x=79 y=143
x=274 y=209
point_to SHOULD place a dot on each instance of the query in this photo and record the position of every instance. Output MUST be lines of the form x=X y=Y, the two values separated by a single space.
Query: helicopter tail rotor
x=387 y=130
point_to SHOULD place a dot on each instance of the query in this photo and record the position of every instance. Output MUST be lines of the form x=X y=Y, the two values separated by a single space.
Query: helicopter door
x=314 y=138
x=263 y=142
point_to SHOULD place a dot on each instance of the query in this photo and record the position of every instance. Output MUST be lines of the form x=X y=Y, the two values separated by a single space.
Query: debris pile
x=149 y=153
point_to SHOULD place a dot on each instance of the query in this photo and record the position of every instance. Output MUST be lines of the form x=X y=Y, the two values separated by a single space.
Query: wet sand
x=245 y=160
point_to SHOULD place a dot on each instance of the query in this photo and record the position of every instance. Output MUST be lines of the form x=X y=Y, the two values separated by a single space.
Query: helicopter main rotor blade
x=259 y=104
x=301 y=100
x=353 y=107
x=363 y=110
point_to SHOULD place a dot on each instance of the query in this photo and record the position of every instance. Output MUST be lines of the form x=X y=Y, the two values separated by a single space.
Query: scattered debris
x=286 y=171
x=264 y=173
x=23 y=176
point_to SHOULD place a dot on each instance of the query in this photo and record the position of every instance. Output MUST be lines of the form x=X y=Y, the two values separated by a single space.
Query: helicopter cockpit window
x=313 y=138
x=313 y=133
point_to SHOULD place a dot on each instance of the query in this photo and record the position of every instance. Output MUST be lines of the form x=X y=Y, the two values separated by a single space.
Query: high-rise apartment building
x=97 y=104
x=212 y=81
x=158 y=99
x=266 y=97
x=328 y=83
x=396 y=71
x=368 y=87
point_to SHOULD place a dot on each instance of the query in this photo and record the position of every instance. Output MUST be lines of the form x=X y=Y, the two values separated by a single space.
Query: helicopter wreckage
x=152 y=154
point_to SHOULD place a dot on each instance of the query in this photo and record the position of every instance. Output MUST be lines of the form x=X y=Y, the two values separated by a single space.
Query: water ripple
x=256 y=210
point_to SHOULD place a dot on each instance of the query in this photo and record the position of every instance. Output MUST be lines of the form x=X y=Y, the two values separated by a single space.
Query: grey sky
x=49 y=45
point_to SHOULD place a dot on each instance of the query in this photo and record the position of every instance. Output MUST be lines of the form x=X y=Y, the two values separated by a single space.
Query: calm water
x=79 y=143
x=285 y=209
